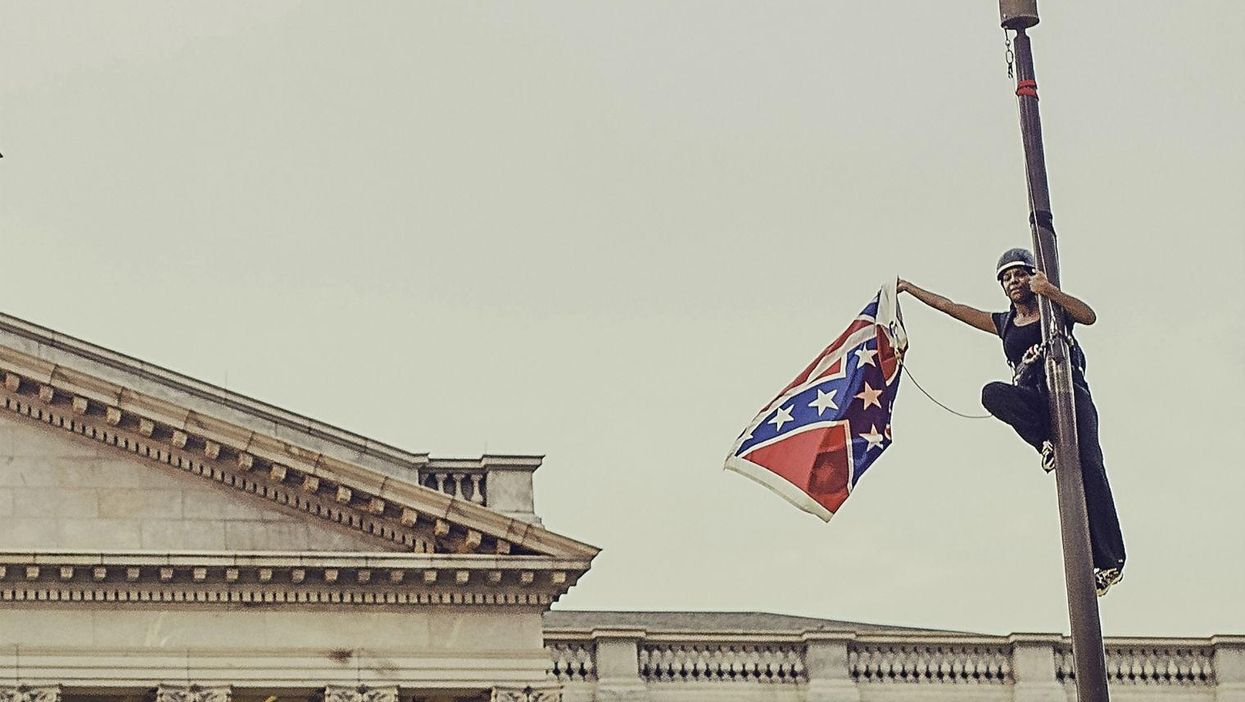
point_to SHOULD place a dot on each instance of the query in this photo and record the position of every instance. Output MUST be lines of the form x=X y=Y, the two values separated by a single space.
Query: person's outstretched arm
x=1080 y=312
x=971 y=316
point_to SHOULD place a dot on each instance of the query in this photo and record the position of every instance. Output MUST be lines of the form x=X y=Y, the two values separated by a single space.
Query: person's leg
x=1025 y=409
x=1106 y=541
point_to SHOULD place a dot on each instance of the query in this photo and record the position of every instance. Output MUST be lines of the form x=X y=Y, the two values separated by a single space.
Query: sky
x=608 y=232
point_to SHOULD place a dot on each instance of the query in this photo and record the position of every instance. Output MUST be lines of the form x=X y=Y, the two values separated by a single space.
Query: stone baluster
x=827 y=667
x=460 y=485
x=572 y=661
x=1033 y=668
x=477 y=491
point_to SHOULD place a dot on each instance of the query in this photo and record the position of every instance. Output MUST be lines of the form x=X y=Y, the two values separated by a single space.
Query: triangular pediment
x=225 y=472
x=60 y=490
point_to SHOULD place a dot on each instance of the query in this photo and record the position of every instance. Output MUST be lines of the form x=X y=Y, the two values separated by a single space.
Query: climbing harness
x=1029 y=371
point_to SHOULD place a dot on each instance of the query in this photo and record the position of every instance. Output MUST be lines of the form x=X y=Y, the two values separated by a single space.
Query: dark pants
x=1027 y=411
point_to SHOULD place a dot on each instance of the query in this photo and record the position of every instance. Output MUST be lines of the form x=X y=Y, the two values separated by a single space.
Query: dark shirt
x=1017 y=339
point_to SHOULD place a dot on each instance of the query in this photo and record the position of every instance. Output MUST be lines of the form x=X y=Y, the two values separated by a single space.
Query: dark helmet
x=1012 y=258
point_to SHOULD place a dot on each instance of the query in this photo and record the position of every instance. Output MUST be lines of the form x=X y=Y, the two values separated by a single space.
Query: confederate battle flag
x=815 y=439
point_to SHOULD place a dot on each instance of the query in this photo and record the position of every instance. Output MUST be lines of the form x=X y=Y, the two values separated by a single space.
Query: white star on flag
x=824 y=401
x=782 y=417
x=869 y=396
x=864 y=357
x=873 y=437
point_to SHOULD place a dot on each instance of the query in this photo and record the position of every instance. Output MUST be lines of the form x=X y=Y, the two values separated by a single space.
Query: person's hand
x=1041 y=285
x=901 y=286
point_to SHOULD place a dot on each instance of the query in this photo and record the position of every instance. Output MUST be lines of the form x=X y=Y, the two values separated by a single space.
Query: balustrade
x=791 y=666
x=461 y=484
x=573 y=661
x=881 y=660
x=916 y=663
x=1147 y=665
x=713 y=662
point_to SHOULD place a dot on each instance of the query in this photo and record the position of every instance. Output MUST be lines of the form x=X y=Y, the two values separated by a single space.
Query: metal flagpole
x=1087 y=648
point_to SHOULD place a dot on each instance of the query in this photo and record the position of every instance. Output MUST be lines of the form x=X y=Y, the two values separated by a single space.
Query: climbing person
x=1024 y=403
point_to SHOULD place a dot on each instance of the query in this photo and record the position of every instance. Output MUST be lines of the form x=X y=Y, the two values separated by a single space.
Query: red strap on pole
x=1027 y=87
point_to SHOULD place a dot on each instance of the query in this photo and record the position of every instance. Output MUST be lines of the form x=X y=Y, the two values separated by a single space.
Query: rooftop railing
x=632 y=663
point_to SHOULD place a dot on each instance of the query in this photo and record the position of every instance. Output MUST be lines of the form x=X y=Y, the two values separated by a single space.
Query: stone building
x=165 y=539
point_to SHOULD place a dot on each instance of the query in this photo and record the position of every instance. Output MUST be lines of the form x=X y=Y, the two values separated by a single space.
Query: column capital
x=360 y=693
x=22 y=693
x=527 y=694
x=193 y=693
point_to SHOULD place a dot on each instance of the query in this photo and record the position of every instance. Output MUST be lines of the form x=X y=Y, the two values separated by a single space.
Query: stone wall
x=103 y=653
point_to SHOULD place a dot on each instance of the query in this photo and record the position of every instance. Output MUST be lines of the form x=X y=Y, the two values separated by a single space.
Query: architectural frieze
x=282 y=578
x=404 y=515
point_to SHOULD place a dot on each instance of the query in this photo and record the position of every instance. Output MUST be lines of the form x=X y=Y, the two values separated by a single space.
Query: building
x=167 y=539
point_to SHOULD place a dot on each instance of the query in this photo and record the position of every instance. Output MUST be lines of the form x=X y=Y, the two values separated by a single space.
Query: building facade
x=164 y=539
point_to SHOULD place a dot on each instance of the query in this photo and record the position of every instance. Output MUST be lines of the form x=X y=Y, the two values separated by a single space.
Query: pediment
x=60 y=490
x=330 y=490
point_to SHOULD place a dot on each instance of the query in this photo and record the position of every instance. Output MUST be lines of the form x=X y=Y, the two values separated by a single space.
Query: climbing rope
x=931 y=397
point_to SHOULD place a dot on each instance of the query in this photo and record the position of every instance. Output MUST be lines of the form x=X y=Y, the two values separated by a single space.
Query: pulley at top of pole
x=1018 y=14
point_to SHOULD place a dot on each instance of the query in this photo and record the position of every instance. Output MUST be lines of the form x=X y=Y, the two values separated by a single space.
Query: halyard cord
x=931 y=397
x=1007 y=42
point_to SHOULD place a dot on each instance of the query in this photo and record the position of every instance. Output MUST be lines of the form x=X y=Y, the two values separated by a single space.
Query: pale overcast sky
x=608 y=231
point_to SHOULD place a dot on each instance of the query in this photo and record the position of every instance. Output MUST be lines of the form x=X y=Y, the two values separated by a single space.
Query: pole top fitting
x=1018 y=14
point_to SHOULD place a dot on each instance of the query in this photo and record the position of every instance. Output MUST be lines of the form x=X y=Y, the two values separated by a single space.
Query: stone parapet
x=828 y=666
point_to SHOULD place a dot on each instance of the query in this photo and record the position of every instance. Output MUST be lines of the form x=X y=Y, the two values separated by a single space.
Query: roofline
x=234 y=400
x=41 y=352
x=876 y=628
x=289 y=559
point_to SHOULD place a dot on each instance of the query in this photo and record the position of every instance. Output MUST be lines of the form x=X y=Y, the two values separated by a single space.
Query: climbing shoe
x=1048 y=456
x=1104 y=578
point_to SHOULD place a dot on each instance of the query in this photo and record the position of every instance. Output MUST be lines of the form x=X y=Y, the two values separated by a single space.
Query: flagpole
x=1087 y=647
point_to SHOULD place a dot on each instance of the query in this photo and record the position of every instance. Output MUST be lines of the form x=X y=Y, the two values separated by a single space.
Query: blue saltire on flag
x=813 y=442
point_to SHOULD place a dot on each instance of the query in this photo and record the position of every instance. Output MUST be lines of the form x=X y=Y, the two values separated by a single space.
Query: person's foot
x=1104 y=578
x=1048 y=456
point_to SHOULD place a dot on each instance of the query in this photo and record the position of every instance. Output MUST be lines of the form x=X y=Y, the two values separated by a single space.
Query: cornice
x=283 y=578
x=376 y=504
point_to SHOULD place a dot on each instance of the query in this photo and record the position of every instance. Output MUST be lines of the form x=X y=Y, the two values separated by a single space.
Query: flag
x=813 y=442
